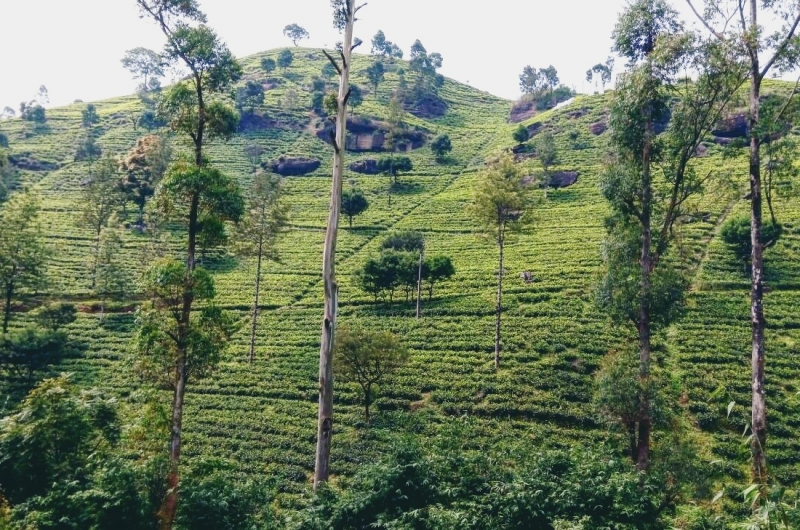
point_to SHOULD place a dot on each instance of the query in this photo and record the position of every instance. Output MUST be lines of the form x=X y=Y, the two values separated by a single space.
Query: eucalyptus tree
x=22 y=250
x=649 y=177
x=265 y=217
x=295 y=33
x=501 y=205
x=735 y=24
x=375 y=74
x=100 y=200
x=344 y=17
x=173 y=336
x=146 y=65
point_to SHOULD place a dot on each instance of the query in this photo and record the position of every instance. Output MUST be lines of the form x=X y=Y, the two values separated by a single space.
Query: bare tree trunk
x=255 y=305
x=758 y=322
x=325 y=413
x=96 y=259
x=498 y=305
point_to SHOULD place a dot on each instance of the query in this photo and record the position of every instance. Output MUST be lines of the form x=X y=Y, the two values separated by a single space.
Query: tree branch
x=705 y=23
x=781 y=47
x=333 y=62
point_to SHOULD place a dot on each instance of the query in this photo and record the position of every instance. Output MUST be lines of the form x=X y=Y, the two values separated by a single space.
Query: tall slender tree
x=265 y=218
x=649 y=177
x=203 y=196
x=735 y=23
x=344 y=18
x=501 y=205
x=100 y=200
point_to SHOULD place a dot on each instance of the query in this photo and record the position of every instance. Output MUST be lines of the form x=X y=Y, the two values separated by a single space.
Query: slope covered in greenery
x=263 y=416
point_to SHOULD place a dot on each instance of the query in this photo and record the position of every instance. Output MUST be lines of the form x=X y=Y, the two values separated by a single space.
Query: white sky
x=74 y=47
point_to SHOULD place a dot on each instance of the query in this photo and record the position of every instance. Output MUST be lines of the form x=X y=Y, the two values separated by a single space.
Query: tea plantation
x=263 y=416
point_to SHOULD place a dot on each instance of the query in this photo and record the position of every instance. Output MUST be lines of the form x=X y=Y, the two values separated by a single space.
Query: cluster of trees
x=402 y=265
x=542 y=87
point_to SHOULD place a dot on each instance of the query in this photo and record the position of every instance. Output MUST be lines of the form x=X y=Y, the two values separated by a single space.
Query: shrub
x=736 y=233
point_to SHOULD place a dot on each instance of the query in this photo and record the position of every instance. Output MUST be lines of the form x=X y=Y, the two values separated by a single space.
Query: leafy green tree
x=328 y=71
x=354 y=203
x=51 y=441
x=9 y=177
x=641 y=287
x=249 y=97
x=763 y=52
x=30 y=350
x=295 y=33
x=32 y=111
x=100 y=200
x=88 y=148
x=441 y=146
x=376 y=74
x=22 y=250
x=530 y=80
x=89 y=116
x=254 y=152
x=501 y=206
x=736 y=234
x=385 y=48
x=285 y=59
x=367 y=357
x=393 y=166
x=268 y=64
x=601 y=71
x=436 y=269
x=425 y=66
x=546 y=152
x=405 y=241
x=150 y=120
x=112 y=279
x=521 y=134
x=57 y=315
x=266 y=216
x=356 y=97
x=146 y=65
x=143 y=168
x=190 y=341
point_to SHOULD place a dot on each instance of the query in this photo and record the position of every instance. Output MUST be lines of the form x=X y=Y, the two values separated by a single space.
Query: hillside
x=263 y=416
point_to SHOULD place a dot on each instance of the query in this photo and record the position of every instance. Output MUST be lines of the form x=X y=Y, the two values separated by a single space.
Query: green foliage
x=56 y=315
x=441 y=484
x=356 y=97
x=9 y=176
x=285 y=58
x=89 y=116
x=546 y=151
x=393 y=166
x=295 y=33
x=33 y=112
x=393 y=269
x=376 y=75
x=441 y=146
x=31 y=350
x=22 y=250
x=436 y=269
x=521 y=134
x=354 y=203
x=179 y=107
x=51 y=440
x=146 y=65
x=502 y=200
x=249 y=97
x=144 y=166
x=367 y=357
x=385 y=48
x=88 y=148
x=100 y=195
x=736 y=234
x=268 y=64
x=405 y=241
x=265 y=217
x=159 y=345
x=213 y=498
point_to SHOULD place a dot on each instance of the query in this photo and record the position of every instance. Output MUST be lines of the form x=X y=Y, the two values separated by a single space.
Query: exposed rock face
x=428 y=106
x=563 y=179
x=27 y=162
x=365 y=167
x=521 y=111
x=534 y=129
x=294 y=167
x=365 y=135
x=734 y=126
x=598 y=128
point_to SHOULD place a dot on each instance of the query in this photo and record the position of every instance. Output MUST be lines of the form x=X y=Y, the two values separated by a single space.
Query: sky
x=74 y=47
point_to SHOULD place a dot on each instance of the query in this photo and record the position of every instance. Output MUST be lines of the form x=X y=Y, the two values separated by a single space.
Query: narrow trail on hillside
x=696 y=270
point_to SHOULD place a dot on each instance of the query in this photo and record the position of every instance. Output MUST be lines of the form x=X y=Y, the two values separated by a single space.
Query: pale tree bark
x=331 y=289
x=419 y=285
